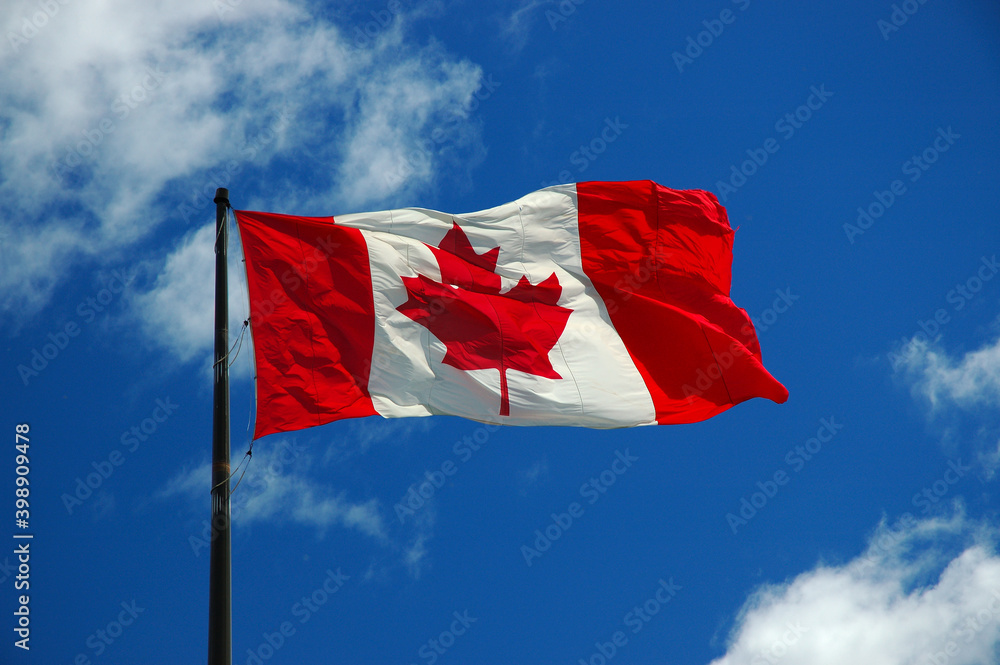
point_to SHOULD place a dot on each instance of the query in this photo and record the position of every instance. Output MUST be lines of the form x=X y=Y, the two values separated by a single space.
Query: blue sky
x=854 y=144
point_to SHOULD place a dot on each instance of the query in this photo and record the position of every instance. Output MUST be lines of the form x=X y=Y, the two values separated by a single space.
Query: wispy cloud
x=277 y=488
x=364 y=433
x=389 y=148
x=537 y=470
x=516 y=26
x=117 y=109
x=962 y=394
x=283 y=484
x=178 y=310
x=969 y=381
x=415 y=553
x=907 y=599
x=534 y=474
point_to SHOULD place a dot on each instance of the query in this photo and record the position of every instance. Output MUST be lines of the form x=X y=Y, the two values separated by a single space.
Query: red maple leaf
x=482 y=327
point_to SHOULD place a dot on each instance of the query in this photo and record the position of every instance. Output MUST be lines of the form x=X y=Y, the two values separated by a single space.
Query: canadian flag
x=599 y=304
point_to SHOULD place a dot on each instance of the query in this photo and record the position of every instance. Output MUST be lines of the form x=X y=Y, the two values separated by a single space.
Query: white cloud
x=277 y=488
x=362 y=433
x=179 y=310
x=908 y=599
x=415 y=553
x=516 y=27
x=388 y=152
x=111 y=107
x=532 y=476
x=972 y=380
x=537 y=470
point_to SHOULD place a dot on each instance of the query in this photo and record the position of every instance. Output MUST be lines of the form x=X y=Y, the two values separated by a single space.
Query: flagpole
x=220 y=600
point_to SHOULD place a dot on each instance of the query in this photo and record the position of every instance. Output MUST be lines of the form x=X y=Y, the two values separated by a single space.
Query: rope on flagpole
x=246 y=456
x=246 y=321
x=221 y=228
x=237 y=346
x=242 y=282
x=238 y=342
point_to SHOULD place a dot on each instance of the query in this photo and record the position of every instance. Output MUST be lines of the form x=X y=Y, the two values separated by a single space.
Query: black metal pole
x=220 y=593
